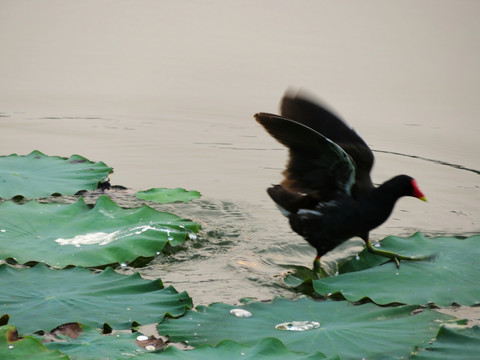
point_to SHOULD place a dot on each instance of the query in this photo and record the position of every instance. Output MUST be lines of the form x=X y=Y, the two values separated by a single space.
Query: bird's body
x=327 y=193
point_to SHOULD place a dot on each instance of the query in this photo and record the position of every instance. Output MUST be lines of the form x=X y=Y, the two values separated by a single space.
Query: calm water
x=165 y=93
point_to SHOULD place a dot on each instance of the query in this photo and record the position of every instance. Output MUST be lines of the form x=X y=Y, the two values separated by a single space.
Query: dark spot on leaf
x=37 y=157
x=13 y=336
x=107 y=329
x=4 y=319
x=78 y=161
x=18 y=198
x=11 y=261
x=28 y=263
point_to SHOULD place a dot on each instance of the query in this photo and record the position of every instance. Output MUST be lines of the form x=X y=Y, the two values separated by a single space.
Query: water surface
x=165 y=93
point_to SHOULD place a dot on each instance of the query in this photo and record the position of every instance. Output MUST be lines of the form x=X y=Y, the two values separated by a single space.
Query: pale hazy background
x=165 y=92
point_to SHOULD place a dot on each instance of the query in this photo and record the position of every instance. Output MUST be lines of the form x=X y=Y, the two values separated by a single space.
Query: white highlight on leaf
x=104 y=238
x=100 y=238
x=241 y=313
x=298 y=325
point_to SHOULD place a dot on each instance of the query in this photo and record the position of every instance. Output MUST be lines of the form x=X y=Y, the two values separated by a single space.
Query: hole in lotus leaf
x=298 y=325
x=72 y=330
x=149 y=343
x=241 y=313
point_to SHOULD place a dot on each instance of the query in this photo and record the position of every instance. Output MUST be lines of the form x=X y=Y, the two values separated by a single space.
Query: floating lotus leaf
x=164 y=196
x=344 y=330
x=76 y=234
x=38 y=175
x=451 y=343
x=13 y=347
x=39 y=298
x=448 y=278
x=91 y=344
x=265 y=349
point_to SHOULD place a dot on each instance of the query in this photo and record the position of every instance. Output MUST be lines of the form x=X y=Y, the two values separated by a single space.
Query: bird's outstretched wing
x=317 y=166
x=317 y=117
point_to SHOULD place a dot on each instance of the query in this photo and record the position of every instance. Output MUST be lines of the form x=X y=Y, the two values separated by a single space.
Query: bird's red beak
x=416 y=191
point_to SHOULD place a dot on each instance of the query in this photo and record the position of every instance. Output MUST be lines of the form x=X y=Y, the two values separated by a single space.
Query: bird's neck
x=381 y=201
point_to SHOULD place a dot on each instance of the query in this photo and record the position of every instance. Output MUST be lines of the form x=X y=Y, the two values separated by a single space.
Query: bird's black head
x=408 y=186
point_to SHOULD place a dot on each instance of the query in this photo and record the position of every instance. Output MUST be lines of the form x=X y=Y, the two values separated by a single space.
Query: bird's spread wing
x=302 y=110
x=317 y=165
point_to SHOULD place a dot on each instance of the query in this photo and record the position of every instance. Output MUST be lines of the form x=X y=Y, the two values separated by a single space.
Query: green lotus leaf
x=13 y=347
x=345 y=330
x=76 y=234
x=165 y=196
x=38 y=175
x=447 y=278
x=39 y=298
x=451 y=343
x=90 y=344
x=269 y=348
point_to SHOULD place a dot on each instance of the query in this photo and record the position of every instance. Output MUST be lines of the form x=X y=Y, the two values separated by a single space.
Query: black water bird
x=327 y=193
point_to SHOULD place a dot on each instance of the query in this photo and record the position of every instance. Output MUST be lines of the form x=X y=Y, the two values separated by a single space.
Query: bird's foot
x=317 y=268
x=394 y=257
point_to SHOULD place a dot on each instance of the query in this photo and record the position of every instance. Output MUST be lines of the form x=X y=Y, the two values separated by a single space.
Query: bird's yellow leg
x=394 y=257
x=318 y=268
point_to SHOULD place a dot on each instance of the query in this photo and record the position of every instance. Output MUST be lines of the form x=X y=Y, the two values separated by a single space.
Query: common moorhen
x=327 y=193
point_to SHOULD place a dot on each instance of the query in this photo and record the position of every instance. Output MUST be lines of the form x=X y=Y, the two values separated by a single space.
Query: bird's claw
x=394 y=257
x=397 y=258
